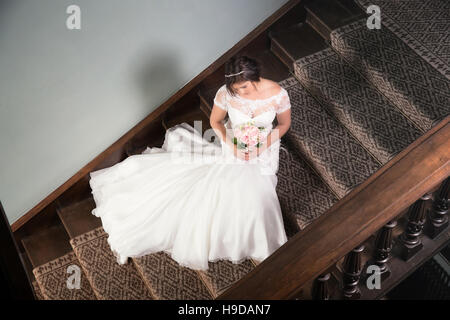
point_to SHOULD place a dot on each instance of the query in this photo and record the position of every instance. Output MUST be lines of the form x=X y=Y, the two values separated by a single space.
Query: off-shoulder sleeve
x=220 y=98
x=283 y=103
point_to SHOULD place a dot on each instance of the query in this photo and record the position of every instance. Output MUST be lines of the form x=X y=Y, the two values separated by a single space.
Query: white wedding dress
x=192 y=198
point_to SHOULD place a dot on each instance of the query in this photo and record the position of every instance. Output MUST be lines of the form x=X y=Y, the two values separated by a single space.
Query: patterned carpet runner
x=421 y=24
x=406 y=79
x=170 y=281
x=303 y=195
x=53 y=278
x=222 y=274
x=378 y=125
x=109 y=280
x=37 y=291
x=339 y=158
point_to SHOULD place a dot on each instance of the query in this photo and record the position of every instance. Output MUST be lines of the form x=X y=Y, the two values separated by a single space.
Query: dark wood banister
x=398 y=184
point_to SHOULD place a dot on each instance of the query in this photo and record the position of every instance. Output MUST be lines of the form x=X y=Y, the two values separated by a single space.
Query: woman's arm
x=215 y=120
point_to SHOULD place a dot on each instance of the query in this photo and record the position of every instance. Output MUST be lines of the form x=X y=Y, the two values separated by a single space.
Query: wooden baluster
x=383 y=247
x=352 y=270
x=320 y=289
x=410 y=239
x=438 y=219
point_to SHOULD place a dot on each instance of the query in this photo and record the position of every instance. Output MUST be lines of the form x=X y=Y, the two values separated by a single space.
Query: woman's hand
x=251 y=154
x=256 y=152
x=238 y=153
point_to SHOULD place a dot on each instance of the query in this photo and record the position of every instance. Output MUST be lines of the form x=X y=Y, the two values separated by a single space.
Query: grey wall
x=67 y=95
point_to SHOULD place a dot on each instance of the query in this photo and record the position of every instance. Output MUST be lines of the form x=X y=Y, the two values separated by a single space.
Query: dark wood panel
x=47 y=245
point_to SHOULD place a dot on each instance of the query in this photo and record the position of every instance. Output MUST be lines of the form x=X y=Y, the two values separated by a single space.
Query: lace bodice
x=262 y=111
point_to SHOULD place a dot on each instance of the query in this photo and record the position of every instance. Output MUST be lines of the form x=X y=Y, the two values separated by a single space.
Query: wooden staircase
x=337 y=160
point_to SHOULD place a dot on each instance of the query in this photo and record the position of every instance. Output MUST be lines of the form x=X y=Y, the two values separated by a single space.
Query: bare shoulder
x=272 y=86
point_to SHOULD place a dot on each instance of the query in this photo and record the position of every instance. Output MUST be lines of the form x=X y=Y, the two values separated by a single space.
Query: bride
x=200 y=201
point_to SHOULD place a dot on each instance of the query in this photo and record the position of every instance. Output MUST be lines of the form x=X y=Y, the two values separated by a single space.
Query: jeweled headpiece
x=234 y=74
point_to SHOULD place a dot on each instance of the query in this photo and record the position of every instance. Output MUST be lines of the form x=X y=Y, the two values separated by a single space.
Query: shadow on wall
x=6 y=6
x=156 y=73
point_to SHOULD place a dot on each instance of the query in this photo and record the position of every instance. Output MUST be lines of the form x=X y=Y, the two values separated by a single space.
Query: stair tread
x=151 y=136
x=299 y=40
x=37 y=291
x=78 y=219
x=339 y=158
x=168 y=280
x=109 y=280
x=271 y=67
x=417 y=88
x=421 y=24
x=223 y=274
x=292 y=17
x=53 y=277
x=303 y=195
x=331 y=13
x=369 y=116
x=194 y=115
x=47 y=245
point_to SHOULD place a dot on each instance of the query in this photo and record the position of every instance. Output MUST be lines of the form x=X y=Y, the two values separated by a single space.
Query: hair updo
x=239 y=63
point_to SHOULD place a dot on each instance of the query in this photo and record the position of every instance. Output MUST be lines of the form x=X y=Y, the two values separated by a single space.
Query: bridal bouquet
x=248 y=136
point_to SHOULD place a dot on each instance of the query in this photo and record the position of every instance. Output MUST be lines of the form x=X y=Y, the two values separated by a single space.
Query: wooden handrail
x=409 y=175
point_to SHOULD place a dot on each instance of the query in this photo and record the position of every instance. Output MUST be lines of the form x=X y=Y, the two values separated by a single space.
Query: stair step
x=77 y=218
x=294 y=16
x=53 y=277
x=207 y=99
x=379 y=126
x=223 y=274
x=391 y=66
x=326 y=15
x=151 y=136
x=46 y=245
x=168 y=280
x=422 y=25
x=109 y=280
x=302 y=193
x=352 y=7
x=333 y=152
x=271 y=66
x=193 y=115
x=295 y=42
x=37 y=291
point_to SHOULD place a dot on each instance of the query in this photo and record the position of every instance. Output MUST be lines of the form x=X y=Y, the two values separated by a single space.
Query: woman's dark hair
x=251 y=68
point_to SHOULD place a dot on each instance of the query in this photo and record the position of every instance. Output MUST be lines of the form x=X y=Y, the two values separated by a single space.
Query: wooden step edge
x=144 y=278
x=47 y=245
x=77 y=218
x=321 y=28
x=207 y=283
x=282 y=54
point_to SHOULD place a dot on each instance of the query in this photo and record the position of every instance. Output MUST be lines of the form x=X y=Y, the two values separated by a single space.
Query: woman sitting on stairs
x=196 y=207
